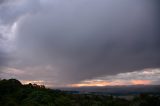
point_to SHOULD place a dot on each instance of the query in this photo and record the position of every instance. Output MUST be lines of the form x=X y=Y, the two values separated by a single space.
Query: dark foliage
x=13 y=93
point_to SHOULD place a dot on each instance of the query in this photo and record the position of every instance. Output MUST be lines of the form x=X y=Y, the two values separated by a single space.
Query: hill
x=118 y=90
x=13 y=93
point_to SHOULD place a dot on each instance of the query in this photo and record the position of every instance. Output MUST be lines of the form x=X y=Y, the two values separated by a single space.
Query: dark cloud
x=3 y=1
x=12 y=10
x=4 y=58
x=83 y=39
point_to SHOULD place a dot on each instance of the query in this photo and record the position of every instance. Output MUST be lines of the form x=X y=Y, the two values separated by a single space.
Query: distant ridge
x=129 y=89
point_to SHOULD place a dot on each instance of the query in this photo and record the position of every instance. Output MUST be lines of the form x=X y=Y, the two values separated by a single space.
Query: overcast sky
x=68 y=42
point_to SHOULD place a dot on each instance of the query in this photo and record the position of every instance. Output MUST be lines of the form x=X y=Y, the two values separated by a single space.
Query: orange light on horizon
x=141 y=82
x=39 y=82
x=99 y=83
x=91 y=83
x=112 y=83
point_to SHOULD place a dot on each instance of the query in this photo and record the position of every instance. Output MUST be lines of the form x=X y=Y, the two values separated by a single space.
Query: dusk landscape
x=79 y=53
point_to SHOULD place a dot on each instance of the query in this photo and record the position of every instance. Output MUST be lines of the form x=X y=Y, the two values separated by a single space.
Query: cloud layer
x=82 y=39
x=140 y=77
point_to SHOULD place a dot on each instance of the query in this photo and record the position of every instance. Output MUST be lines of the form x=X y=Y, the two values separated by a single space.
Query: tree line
x=14 y=93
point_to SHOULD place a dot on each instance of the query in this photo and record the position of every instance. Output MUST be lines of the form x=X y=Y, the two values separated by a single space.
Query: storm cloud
x=3 y=59
x=4 y=56
x=84 y=39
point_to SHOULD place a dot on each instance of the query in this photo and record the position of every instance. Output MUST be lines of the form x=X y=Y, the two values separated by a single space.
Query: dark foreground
x=13 y=93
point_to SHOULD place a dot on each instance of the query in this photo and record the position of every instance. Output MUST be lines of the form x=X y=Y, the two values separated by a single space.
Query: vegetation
x=13 y=93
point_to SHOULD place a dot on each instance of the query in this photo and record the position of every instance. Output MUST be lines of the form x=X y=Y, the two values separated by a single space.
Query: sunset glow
x=79 y=52
x=141 y=82
x=113 y=83
x=91 y=83
x=80 y=43
x=39 y=82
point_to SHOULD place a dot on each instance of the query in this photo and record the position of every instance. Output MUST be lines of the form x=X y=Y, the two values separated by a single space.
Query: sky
x=65 y=43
